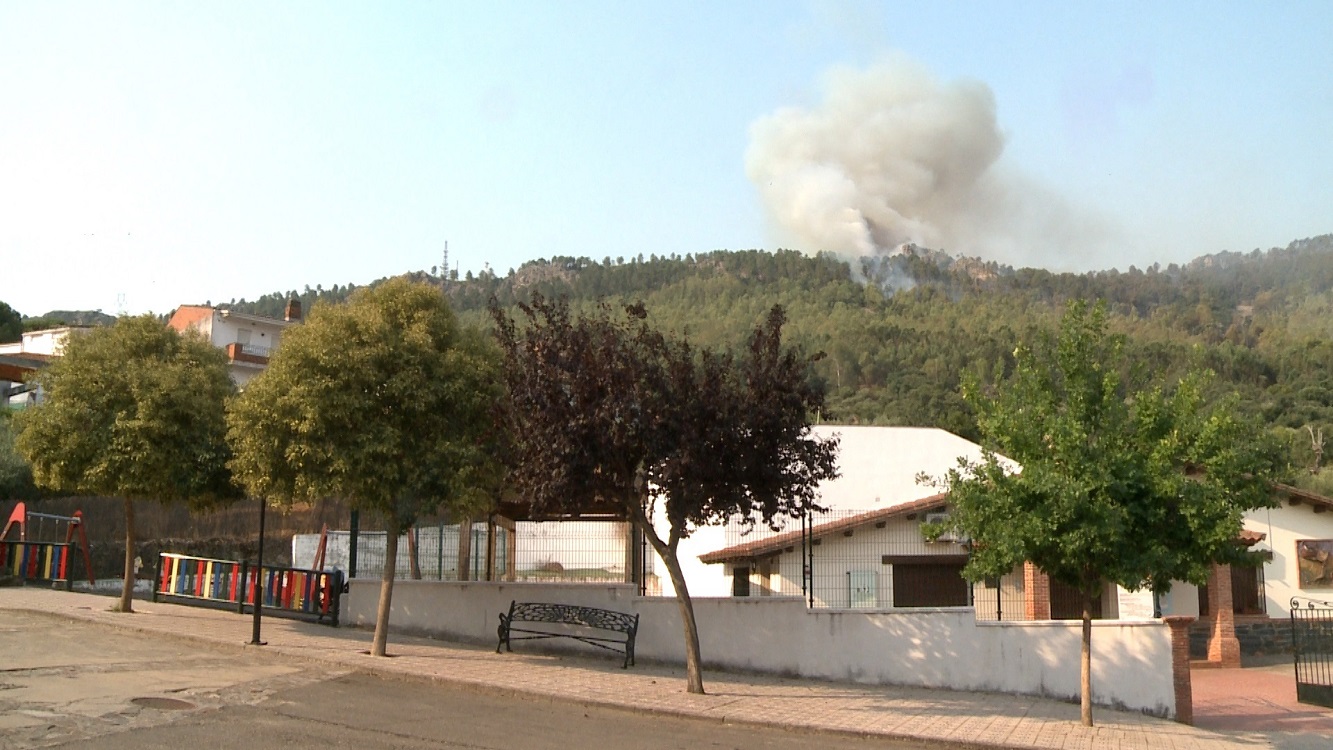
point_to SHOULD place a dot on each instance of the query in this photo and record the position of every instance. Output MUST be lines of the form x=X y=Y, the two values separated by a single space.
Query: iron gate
x=1312 y=644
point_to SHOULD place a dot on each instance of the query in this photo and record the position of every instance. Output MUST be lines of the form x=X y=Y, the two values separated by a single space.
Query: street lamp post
x=259 y=578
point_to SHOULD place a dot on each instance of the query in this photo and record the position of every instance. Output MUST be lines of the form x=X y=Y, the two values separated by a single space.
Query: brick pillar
x=1180 y=667
x=1036 y=593
x=1223 y=647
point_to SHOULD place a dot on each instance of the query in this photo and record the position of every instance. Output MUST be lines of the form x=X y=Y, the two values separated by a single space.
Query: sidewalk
x=964 y=719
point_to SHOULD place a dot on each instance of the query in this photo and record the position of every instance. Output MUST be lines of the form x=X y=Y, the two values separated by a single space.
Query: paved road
x=69 y=684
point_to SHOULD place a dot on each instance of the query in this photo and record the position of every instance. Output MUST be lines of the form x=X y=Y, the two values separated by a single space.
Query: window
x=740 y=580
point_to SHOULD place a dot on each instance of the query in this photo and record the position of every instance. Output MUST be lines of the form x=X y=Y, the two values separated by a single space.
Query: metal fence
x=581 y=552
x=548 y=552
x=1312 y=647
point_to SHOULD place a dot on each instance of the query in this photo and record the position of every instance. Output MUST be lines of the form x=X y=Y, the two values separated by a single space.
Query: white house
x=878 y=533
x=878 y=469
x=1252 y=605
x=247 y=339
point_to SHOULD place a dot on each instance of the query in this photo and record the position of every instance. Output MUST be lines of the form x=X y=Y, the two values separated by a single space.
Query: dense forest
x=898 y=331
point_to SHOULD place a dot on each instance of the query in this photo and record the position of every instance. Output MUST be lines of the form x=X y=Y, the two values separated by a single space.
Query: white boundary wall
x=938 y=648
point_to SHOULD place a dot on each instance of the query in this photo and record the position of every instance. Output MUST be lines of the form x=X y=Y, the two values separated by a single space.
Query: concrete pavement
x=957 y=718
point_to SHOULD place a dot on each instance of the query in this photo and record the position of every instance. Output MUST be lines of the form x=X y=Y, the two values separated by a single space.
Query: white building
x=878 y=469
x=47 y=343
x=1295 y=541
x=248 y=339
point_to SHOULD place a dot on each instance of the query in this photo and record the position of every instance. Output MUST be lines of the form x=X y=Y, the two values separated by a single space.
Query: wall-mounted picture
x=1315 y=557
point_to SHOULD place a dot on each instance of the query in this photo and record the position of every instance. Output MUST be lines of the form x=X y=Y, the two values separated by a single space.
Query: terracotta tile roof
x=1250 y=538
x=779 y=542
x=776 y=543
x=1296 y=495
x=188 y=315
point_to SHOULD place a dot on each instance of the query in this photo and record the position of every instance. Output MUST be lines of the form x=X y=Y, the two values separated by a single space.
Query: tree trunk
x=386 y=593
x=694 y=675
x=638 y=506
x=127 y=589
x=1085 y=663
x=415 y=562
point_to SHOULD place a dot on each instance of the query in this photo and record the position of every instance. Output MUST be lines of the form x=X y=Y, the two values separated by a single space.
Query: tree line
x=901 y=333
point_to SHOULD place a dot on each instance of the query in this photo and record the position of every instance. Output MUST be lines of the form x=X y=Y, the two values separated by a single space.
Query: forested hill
x=900 y=330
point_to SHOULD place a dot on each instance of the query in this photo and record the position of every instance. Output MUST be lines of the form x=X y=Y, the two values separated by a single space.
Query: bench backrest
x=567 y=614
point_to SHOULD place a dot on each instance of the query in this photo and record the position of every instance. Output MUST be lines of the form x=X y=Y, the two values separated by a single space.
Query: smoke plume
x=893 y=156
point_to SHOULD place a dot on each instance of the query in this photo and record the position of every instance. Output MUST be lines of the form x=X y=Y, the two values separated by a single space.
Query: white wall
x=940 y=648
x=1284 y=526
x=1181 y=600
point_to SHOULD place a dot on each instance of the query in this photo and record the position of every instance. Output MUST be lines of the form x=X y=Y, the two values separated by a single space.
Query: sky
x=158 y=154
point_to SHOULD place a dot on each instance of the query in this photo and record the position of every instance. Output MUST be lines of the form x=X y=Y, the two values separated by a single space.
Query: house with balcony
x=248 y=339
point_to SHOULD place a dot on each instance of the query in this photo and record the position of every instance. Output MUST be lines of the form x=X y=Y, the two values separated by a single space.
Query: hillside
x=57 y=318
x=900 y=330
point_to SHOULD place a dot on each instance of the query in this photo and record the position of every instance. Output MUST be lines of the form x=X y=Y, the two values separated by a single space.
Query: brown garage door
x=929 y=581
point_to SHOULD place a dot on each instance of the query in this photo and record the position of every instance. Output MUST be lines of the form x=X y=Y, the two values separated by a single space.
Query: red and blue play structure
x=43 y=559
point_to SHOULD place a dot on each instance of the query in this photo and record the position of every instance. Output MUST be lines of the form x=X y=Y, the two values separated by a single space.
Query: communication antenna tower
x=444 y=266
x=120 y=304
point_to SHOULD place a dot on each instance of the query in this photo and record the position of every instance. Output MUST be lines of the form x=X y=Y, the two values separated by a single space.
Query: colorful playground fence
x=293 y=592
x=37 y=561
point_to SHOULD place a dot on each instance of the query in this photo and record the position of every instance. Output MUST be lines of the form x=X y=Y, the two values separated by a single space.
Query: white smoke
x=893 y=156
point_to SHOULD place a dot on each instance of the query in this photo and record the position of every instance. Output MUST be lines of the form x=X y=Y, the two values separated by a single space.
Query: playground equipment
x=43 y=557
x=292 y=592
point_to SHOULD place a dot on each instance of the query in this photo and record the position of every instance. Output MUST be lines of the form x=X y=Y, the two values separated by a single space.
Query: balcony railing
x=256 y=355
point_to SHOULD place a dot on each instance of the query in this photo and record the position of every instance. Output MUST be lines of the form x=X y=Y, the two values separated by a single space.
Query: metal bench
x=569 y=621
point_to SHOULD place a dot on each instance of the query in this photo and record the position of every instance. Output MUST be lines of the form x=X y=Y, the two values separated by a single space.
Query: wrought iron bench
x=569 y=621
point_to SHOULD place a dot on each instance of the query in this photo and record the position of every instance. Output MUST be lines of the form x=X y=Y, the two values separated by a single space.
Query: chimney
x=293 y=311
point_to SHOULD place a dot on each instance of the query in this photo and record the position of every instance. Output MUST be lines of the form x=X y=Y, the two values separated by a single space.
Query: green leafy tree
x=135 y=411
x=384 y=401
x=11 y=324
x=1136 y=487
x=15 y=473
x=603 y=409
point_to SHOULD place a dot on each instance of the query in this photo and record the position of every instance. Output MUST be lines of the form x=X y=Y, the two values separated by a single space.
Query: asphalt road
x=65 y=684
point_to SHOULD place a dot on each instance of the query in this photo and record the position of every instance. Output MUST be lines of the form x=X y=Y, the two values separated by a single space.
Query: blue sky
x=155 y=154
